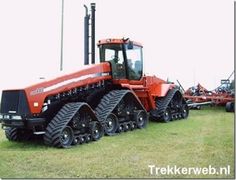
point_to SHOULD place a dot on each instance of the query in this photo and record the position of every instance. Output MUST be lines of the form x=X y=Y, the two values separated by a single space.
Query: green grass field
x=206 y=138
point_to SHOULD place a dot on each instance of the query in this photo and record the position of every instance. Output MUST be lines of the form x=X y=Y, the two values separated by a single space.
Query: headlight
x=1 y=116
x=15 y=117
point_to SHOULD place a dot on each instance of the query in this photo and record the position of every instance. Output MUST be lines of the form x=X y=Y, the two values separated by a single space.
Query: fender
x=160 y=90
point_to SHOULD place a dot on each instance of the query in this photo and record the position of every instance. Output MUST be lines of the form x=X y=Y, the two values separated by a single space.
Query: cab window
x=113 y=53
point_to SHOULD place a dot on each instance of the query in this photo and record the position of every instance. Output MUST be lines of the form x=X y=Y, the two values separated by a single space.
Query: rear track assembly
x=121 y=110
x=171 y=107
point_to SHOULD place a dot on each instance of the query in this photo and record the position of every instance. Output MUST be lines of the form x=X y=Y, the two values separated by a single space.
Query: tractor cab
x=124 y=56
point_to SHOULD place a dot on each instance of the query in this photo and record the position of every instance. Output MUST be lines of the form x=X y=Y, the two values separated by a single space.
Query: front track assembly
x=75 y=123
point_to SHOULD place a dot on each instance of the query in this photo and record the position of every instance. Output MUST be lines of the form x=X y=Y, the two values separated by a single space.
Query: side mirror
x=130 y=45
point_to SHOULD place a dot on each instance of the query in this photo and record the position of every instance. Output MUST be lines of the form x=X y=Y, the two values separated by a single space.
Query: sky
x=188 y=40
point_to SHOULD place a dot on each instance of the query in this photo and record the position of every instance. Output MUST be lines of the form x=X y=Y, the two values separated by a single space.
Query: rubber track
x=163 y=103
x=15 y=134
x=12 y=134
x=109 y=103
x=59 y=122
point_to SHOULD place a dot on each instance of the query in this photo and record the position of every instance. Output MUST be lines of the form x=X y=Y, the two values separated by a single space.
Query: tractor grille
x=14 y=101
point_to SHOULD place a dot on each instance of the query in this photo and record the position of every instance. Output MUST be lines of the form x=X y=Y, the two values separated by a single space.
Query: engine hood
x=37 y=93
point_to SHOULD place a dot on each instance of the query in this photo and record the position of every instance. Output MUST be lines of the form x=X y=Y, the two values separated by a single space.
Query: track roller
x=121 y=128
x=133 y=125
x=127 y=126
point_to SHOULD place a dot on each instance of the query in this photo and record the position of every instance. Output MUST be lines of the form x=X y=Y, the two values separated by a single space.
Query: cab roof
x=117 y=41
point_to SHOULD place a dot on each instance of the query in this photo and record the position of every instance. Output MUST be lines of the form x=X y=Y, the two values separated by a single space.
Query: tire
x=233 y=108
x=229 y=107
x=141 y=119
x=111 y=124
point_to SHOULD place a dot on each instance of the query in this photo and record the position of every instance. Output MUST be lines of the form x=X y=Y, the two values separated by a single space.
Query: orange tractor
x=110 y=97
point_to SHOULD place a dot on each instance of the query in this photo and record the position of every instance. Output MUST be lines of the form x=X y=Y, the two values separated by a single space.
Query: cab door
x=134 y=58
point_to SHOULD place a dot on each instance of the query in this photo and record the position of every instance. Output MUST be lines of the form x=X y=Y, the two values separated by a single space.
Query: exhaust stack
x=89 y=30
x=86 y=36
x=93 y=33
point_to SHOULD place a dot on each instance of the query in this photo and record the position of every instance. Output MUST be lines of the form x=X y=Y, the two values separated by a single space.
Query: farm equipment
x=223 y=95
x=110 y=97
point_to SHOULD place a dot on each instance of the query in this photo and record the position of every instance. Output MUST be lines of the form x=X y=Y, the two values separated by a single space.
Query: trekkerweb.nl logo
x=175 y=170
